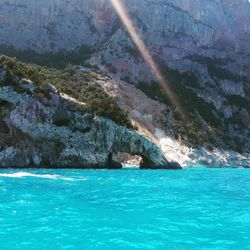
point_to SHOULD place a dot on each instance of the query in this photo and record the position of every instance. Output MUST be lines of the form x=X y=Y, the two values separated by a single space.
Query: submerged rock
x=48 y=134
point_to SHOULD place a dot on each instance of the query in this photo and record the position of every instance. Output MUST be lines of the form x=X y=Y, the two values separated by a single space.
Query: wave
x=43 y=176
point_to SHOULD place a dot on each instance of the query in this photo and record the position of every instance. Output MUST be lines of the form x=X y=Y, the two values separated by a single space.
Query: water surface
x=127 y=209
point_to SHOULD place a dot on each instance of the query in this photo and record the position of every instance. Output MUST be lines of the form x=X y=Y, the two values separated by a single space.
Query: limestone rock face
x=54 y=25
x=208 y=39
x=45 y=132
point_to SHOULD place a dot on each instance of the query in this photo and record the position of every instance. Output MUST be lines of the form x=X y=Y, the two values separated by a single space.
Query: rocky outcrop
x=43 y=131
x=203 y=52
x=205 y=42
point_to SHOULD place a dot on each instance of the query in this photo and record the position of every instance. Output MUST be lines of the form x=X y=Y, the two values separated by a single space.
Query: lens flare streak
x=127 y=22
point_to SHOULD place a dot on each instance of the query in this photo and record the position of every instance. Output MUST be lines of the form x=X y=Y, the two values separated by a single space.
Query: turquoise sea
x=126 y=209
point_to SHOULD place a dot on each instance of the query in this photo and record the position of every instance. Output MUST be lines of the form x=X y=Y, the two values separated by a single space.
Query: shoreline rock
x=45 y=132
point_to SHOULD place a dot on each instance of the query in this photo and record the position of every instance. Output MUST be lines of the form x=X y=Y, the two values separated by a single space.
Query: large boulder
x=149 y=164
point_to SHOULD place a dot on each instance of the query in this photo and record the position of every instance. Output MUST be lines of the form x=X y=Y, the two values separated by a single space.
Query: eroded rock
x=52 y=136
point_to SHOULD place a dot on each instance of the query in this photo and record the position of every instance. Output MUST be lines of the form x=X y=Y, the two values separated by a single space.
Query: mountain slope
x=201 y=48
x=41 y=127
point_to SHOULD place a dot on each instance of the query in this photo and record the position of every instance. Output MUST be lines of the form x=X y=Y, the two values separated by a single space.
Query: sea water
x=127 y=209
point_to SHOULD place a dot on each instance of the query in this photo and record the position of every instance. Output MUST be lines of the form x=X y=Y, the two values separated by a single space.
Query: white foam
x=43 y=176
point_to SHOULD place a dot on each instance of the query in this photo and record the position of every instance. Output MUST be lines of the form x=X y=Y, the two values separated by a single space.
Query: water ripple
x=76 y=209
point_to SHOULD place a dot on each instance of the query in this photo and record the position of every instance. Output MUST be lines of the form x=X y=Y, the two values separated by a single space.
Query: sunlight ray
x=127 y=22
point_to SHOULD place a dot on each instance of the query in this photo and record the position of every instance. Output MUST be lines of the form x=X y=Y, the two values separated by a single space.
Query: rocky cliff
x=200 y=46
x=202 y=49
x=41 y=127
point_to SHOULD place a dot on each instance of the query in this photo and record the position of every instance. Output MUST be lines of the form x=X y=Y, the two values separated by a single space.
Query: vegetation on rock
x=58 y=60
x=203 y=126
x=81 y=86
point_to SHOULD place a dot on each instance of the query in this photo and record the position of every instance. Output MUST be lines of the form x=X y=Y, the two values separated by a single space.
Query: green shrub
x=58 y=60
x=83 y=87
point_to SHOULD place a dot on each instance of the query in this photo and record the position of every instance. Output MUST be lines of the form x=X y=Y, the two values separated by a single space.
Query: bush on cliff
x=58 y=60
x=83 y=87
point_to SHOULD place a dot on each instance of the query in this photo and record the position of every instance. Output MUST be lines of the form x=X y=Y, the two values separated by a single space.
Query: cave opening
x=121 y=160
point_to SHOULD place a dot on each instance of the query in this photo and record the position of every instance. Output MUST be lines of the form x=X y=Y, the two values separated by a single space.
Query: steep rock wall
x=205 y=38
x=42 y=130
